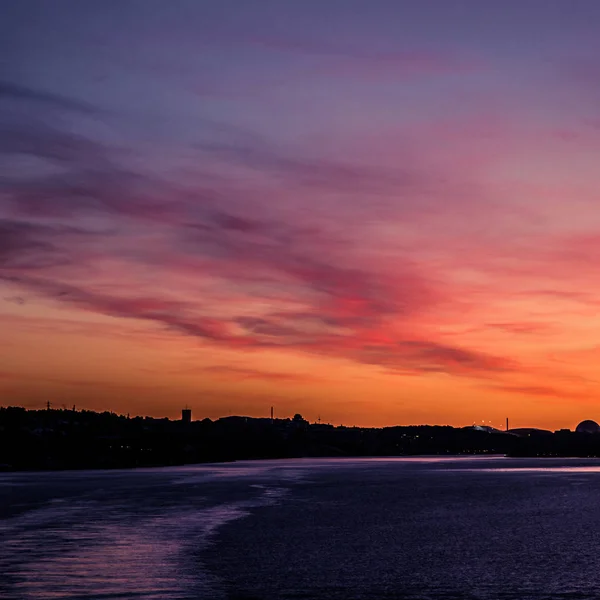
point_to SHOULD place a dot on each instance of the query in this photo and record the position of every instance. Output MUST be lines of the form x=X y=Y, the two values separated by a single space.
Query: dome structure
x=588 y=427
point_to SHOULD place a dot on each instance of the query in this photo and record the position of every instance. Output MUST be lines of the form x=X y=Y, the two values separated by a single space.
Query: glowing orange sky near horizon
x=375 y=219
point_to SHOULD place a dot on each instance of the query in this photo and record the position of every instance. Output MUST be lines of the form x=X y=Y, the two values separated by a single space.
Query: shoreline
x=390 y=458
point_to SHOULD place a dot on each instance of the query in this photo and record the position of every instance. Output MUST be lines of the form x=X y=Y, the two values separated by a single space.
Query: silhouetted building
x=588 y=427
x=186 y=415
x=529 y=431
x=486 y=428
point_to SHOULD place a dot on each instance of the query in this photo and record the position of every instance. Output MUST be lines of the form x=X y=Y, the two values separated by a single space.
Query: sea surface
x=408 y=528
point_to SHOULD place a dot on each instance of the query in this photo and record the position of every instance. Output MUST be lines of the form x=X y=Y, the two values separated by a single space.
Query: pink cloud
x=340 y=255
x=341 y=59
x=541 y=390
x=239 y=373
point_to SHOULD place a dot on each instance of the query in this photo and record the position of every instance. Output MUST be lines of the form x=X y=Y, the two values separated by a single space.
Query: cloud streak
x=350 y=307
x=14 y=92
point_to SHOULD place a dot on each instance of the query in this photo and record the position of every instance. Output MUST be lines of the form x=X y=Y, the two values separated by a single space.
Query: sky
x=371 y=212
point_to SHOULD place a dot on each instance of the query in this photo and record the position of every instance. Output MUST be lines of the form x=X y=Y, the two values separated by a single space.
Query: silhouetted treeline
x=65 y=439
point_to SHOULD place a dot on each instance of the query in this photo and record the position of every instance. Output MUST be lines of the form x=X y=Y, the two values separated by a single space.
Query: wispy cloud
x=524 y=328
x=339 y=58
x=26 y=246
x=12 y=91
x=231 y=373
x=541 y=390
x=331 y=301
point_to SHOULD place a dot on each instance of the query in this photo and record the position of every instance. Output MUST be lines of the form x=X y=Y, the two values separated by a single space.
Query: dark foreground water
x=369 y=529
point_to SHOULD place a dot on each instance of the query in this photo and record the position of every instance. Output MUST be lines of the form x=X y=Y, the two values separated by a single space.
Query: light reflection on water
x=132 y=545
x=404 y=523
x=565 y=470
x=81 y=553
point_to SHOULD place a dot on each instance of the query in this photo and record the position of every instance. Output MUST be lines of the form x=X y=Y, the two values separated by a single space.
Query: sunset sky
x=375 y=212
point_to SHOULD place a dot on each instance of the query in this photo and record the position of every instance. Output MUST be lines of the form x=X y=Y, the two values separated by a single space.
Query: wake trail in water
x=97 y=549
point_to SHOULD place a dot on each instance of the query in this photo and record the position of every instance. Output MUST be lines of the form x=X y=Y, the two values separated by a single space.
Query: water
x=265 y=530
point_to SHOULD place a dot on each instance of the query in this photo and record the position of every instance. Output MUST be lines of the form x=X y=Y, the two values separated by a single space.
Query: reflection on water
x=122 y=557
x=133 y=536
x=384 y=528
x=562 y=470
